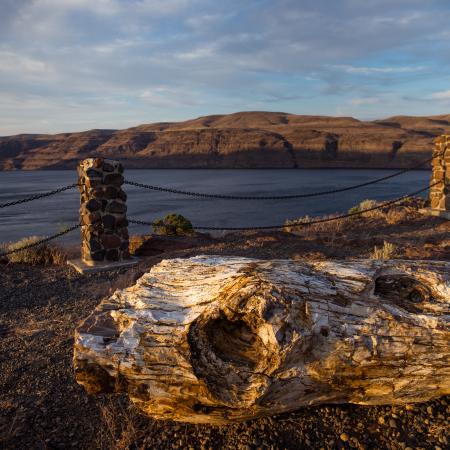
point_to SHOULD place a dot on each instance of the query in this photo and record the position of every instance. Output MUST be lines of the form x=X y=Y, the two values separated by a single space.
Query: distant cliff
x=240 y=140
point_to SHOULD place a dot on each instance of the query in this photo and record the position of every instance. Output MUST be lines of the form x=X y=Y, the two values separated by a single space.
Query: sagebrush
x=368 y=204
x=43 y=254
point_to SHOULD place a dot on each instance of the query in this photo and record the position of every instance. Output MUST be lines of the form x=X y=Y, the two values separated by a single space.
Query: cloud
x=172 y=59
x=165 y=96
x=378 y=70
x=442 y=95
x=166 y=7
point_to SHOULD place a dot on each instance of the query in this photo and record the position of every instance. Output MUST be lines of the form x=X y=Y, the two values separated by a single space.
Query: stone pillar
x=440 y=192
x=103 y=211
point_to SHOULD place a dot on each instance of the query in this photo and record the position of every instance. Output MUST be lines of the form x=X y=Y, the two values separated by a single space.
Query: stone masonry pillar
x=440 y=192
x=103 y=209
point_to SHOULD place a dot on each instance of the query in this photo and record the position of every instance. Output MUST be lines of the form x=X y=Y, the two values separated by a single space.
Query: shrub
x=41 y=254
x=354 y=209
x=397 y=215
x=367 y=204
x=386 y=252
x=173 y=224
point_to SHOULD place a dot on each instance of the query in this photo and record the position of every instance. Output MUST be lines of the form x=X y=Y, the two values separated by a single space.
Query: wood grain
x=222 y=339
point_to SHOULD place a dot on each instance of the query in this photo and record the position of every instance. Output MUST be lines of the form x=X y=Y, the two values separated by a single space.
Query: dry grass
x=328 y=232
x=401 y=213
x=44 y=254
x=332 y=227
x=393 y=214
x=387 y=251
x=120 y=430
x=396 y=215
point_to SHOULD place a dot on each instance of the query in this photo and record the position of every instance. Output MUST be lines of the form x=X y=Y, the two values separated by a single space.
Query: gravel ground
x=42 y=407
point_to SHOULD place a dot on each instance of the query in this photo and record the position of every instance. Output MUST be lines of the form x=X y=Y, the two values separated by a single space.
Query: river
x=49 y=215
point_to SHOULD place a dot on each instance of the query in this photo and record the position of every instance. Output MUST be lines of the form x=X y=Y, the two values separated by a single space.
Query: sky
x=72 y=65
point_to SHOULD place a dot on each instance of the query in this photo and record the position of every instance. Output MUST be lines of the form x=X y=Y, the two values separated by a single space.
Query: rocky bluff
x=240 y=140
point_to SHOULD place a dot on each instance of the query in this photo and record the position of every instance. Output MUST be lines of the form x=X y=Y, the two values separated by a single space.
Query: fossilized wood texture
x=219 y=339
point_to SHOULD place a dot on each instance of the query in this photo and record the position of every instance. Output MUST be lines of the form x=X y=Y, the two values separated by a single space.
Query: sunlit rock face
x=440 y=179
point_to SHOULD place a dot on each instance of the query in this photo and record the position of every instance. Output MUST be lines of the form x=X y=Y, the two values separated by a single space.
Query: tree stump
x=222 y=339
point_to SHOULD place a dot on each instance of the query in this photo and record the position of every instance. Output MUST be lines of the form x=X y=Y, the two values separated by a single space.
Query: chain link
x=38 y=196
x=295 y=224
x=42 y=241
x=278 y=197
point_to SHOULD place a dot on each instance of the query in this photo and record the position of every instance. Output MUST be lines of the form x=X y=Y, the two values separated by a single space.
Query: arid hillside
x=239 y=140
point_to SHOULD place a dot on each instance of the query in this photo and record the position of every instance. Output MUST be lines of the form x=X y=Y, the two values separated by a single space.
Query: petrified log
x=219 y=339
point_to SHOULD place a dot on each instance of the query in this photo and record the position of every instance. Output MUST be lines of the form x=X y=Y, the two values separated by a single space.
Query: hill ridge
x=246 y=139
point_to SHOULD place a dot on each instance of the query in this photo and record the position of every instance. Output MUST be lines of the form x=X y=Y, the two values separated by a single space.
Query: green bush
x=173 y=224
x=41 y=254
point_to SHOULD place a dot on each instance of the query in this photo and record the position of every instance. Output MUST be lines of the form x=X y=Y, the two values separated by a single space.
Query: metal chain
x=42 y=241
x=225 y=197
x=279 y=197
x=294 y=224
x=38 y=196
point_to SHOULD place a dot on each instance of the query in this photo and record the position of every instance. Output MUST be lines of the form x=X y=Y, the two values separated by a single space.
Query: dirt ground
x=42 y=407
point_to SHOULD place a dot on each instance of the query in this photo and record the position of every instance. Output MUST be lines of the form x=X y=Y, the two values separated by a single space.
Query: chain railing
x=297 y=223
x=38 y=196
x=275 y=197
x=40 y=242
x=224 y=196
x=227 y=197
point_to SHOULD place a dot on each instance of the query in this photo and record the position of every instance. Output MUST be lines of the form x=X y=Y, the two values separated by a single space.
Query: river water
x=49 y=215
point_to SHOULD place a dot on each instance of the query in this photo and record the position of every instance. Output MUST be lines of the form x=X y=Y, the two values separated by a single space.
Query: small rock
x=392 y=423
x=381 y=420
x=344 y=437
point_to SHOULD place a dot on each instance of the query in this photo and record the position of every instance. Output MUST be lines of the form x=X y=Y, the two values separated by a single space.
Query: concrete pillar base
x=435 y=212
x=103 y=266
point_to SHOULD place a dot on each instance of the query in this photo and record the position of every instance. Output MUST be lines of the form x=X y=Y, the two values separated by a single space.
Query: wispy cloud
x=442 y=95
x=358 y=70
